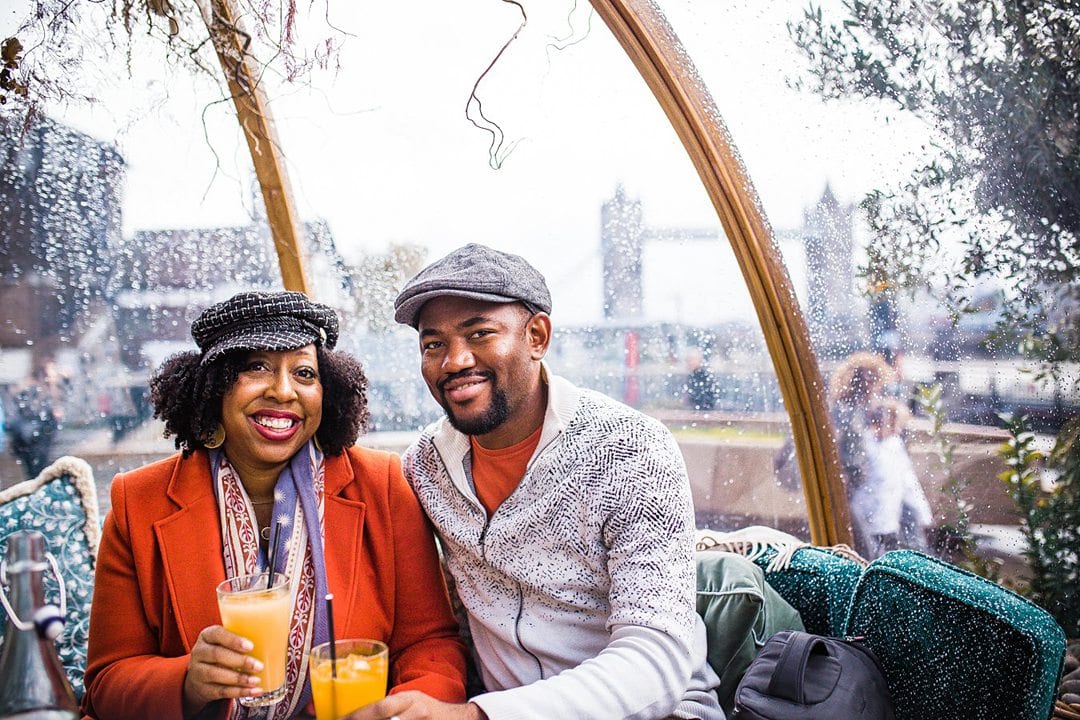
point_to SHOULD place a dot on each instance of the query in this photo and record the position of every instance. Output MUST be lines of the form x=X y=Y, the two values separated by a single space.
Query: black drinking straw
x=330 y=632
x=273 y=552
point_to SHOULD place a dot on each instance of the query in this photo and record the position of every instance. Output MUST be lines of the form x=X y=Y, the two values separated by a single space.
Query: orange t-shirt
x=496 y=473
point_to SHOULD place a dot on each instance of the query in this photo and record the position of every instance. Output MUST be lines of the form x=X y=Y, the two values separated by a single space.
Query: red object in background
x=631 y=391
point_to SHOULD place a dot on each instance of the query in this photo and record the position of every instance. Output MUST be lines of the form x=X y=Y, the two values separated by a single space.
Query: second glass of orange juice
x=261 y=614
x=360 y=678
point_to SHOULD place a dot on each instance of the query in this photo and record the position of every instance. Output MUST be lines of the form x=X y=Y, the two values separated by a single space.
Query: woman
x=892 y=501
x=855 y=386
x=266 y=415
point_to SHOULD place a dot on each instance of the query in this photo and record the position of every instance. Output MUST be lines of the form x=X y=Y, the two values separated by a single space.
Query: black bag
x=799 y=676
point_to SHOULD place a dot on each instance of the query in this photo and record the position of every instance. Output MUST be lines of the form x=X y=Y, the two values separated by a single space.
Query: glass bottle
x=33 y=685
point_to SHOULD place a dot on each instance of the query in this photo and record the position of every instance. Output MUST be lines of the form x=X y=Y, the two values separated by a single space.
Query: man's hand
x=219 y=669
x=414 y=705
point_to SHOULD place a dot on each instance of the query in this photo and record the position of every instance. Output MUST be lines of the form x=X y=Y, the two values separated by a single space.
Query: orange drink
x=361 y=677
x=251 y=610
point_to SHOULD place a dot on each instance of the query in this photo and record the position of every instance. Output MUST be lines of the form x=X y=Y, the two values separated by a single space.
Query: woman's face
x=273 y=408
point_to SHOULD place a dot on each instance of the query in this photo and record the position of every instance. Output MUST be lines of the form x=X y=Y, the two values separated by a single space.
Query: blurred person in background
x=890 y=502
x=37 y=409
x=855 y=386
x=700 y=383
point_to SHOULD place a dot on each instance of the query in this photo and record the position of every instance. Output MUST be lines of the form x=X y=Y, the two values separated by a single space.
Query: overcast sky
x=381 y=148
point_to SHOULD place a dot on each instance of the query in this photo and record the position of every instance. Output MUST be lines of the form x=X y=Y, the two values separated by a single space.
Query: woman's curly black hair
x=188 y=395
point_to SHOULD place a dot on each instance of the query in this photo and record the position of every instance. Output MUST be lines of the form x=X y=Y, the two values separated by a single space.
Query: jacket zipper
x=483 y=545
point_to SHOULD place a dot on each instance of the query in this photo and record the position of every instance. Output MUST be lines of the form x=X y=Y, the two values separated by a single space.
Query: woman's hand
x=415 y=705
x=219 y=669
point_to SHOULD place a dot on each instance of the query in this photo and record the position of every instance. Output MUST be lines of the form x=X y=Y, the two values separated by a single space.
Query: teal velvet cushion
x=61 y=504
x=818 y=583
x=741 y=612
x=954 y=645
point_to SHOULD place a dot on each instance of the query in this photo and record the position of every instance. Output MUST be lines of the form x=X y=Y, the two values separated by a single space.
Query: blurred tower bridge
x=835 y=311
x=821 y=252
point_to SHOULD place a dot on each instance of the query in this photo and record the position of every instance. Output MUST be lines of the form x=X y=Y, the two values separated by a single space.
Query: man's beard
x=496 y=414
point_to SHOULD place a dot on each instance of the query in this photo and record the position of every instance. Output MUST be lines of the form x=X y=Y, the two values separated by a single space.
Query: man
x=565 y=517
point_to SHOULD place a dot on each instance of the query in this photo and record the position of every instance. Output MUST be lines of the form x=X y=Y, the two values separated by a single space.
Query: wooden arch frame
x=658 y=54
x=656 y=51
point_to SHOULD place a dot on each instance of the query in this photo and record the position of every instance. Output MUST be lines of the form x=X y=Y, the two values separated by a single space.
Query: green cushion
x=741 y=612
x=954 y=645
x=61 y=504
x=817 y=583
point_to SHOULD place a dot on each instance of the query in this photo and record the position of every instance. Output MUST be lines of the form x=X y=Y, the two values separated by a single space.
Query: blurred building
x=835 y=311
x=622 y=236
x=822 y=269
x=59 y=231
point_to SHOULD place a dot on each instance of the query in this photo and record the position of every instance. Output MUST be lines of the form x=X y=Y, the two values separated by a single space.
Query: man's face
x=480 y=360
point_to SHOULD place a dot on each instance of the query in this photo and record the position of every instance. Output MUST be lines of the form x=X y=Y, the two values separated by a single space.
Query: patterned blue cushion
x=819 y=584
x=954 y=645
x=61 y=504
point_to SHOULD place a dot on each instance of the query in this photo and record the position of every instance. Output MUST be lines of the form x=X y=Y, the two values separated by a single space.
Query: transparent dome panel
x=894 y=155
x=425 y=128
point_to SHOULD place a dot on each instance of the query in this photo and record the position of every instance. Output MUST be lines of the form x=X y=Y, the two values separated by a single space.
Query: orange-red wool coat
x=161 y=559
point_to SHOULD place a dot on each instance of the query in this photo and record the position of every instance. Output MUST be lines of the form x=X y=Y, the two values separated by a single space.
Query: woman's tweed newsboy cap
x=264 y=321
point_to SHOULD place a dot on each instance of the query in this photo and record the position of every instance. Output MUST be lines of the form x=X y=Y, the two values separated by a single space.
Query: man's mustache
x=464 y=374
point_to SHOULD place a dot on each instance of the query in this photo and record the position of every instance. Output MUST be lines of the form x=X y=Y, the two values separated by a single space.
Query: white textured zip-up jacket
x=580 y=588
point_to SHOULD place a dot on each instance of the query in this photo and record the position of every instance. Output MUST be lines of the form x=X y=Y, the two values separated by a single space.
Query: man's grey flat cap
x=477 y=272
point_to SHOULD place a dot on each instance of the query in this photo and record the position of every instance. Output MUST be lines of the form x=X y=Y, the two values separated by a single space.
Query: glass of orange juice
x=261 y=614
x=360 y=677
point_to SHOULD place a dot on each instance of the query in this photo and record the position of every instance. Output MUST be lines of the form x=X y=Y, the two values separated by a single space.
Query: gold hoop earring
x=315 y=439
x=216 y=439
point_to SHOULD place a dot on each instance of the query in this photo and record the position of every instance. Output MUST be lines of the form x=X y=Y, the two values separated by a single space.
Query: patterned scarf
x=298 y=506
